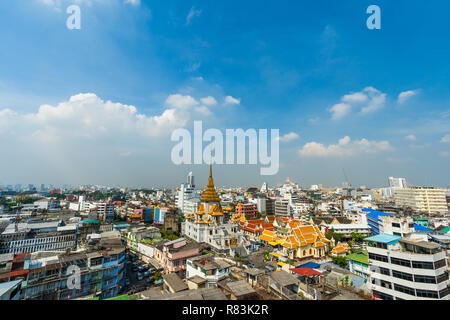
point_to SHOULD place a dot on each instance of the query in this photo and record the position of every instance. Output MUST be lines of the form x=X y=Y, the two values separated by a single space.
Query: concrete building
x=422 y=199
x=208 y=268
x=407 y=269
x=249 y=210
x=46 y=275
x=401 y=226
x=282 y=208
x=172 y=255
x=185 y=192
x=38 y=236
x=10 y=290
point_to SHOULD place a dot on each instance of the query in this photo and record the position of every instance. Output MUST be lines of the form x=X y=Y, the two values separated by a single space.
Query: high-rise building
x=430 y=200
x=190 y=180
x=282 y=207
x=397 y=182
x=185 y=192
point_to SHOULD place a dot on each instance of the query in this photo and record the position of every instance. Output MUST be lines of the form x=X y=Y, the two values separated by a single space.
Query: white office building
x=397 y=182
x=185 y=193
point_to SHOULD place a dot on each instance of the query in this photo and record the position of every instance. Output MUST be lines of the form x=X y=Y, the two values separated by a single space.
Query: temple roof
x=210 y=194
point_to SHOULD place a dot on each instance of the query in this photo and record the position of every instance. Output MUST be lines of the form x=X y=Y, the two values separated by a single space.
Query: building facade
x=430 y=200
x=405 y=269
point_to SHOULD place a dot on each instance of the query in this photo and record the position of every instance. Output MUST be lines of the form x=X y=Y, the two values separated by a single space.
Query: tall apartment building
x=282 y=207
x=105 y=210
x=397 y=182
x=430 y=200
x=185 y=193
x=406 y=269
x=270 y=206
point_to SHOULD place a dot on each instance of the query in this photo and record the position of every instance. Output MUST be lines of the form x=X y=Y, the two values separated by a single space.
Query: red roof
x=305 y=271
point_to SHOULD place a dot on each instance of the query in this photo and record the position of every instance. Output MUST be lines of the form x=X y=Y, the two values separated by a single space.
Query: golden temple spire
x=210 y=194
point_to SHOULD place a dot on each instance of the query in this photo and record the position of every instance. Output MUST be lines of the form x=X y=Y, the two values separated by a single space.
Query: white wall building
x=208 y=268
x=406 y=269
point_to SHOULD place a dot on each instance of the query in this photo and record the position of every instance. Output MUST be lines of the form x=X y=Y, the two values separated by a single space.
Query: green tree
x=340 y=261
x=266 y=255
x=331 y=234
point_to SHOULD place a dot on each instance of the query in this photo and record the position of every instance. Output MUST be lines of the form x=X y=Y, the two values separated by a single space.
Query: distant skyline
x=97 y=105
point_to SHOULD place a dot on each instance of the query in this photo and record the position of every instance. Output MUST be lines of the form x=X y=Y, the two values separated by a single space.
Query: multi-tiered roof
x=209 y=210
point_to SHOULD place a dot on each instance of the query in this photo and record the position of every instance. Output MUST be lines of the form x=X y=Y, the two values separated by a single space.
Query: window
x=443 y=277
x=424 y=279
x=385 y=271
x=404 y=289
x=443 y=292
x=440 y=264
x=383 y=296
x=402 y=275
x=427 y=294
x=401 y=262
x=378 y=257
x=422 y=265
x=396 y=225
x=382 y=283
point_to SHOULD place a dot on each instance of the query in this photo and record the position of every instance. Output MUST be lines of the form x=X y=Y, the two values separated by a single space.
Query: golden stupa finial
x=210 y=194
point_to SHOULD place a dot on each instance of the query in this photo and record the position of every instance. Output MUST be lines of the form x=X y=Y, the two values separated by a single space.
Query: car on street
x=149 y=281
x=139 y=276
x=146 y=274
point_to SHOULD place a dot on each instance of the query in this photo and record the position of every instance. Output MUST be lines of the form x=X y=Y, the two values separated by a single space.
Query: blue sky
x=310 y=68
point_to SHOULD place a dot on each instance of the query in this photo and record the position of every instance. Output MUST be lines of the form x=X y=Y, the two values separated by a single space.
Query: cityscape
x=263 y=155
x=284 y=242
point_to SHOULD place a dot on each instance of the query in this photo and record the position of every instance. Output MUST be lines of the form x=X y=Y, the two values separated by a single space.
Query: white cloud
x=370 y=98
x=377 y=99
x=340 y=110
x=446 y=138
x=193 y=13
x=203 y=110
x=355 y=97
x=289 y=137
x=181 y=102
x=231 y=100
x=344 y=148
x=86 y=116
x=411 y=137
x=445 y=154
x=209 y=101
x=406 y=95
